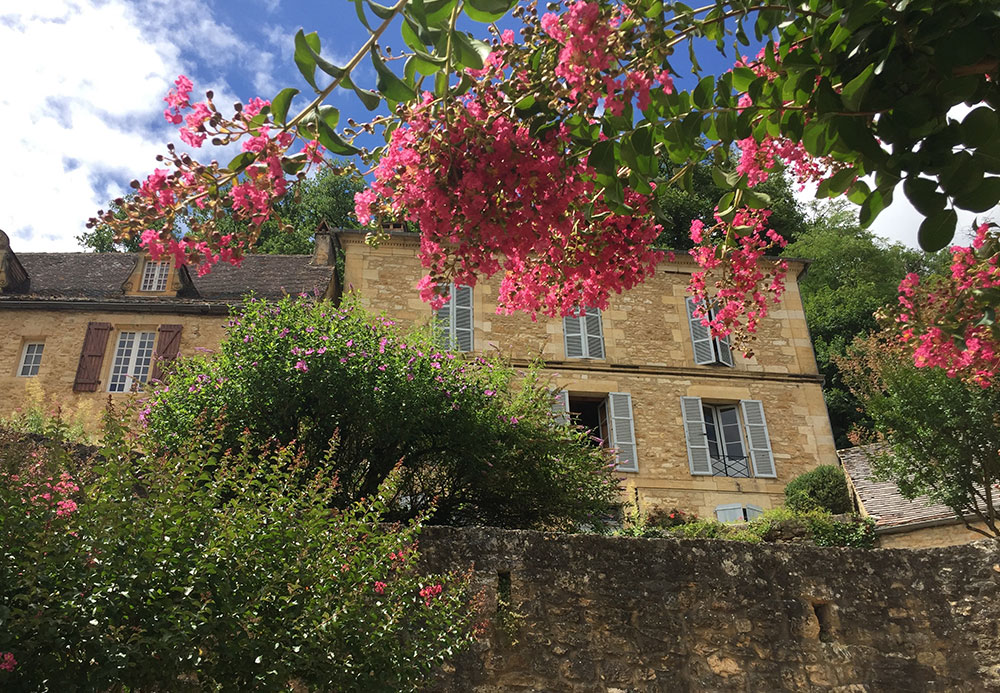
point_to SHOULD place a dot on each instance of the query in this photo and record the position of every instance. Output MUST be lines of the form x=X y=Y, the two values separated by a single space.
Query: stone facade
x=587 y=614
x=649 y=355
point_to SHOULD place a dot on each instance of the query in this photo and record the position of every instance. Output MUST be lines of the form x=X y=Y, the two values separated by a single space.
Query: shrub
x=822 y=488
x=209 y=570
x=474 y=439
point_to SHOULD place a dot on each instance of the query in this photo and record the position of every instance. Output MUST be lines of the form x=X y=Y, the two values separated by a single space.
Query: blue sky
x=83 y=81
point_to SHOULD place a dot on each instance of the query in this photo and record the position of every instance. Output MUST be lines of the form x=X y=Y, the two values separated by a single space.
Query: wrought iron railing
x=724 y=465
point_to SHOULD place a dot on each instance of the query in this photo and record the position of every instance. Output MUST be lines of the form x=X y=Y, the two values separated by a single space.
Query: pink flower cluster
x=744 y=278
x=489 y=197
x=7 y=661
x=588 y=62
x=949 y=323
x=429 y=593
x=39 y=489
x=759 y=159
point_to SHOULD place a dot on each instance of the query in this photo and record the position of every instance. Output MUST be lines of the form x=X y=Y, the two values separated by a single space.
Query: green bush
x=475 y=440
x=822 y=488
x=209 y=570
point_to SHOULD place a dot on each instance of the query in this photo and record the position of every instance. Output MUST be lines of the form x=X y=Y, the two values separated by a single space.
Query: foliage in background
x=943 y=434
x=209 y=570
x=823 y=488
x=852 y=275
x=326 y=197
x=819 y=526
x=475 y=440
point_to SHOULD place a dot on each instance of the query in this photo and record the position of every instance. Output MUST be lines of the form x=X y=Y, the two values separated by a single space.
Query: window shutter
x=594 y=334
x=168 y=345
x=573 y=334
x=560 y=406
x=623 y=431
x=724 y=350
x=694 y=431
x=442 y=323
x=730 y=512
x=461 y=300
x=757 y=438
x=88 y=371
x=753 y=512
x=701 y=337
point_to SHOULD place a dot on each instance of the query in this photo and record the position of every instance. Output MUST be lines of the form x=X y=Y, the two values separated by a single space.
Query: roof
x=101 y=275
x=882 y=499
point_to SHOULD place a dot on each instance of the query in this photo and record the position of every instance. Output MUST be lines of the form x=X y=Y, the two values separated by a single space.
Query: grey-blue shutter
x=442 y=324
x=730 y=512
x=724 y=350
x=623 y=430
x=593 y=332
x=701 y=337
x=462 y=323
x=560 y=406
x=699 y=458
x=757 y=438
x=753 y=512
x=573 y=334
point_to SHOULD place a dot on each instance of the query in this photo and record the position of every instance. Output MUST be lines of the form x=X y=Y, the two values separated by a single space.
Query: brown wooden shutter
x=91 y=357
x=168 y=345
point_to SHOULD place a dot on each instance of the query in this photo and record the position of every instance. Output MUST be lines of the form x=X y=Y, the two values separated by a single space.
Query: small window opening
x=589 y=413
x=503 y=591
x=824 y=616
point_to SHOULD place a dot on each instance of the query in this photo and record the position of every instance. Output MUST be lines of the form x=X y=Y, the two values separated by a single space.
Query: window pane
x=143 y=356
x=32 y=359
x=120 y=367
x=154 y=276
x=710 y=431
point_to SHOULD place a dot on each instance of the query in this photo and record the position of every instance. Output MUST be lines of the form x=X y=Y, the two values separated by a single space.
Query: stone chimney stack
x=323 y=245
x=13 y=278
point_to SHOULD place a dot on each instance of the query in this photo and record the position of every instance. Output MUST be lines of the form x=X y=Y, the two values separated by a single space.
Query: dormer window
x=154 y=276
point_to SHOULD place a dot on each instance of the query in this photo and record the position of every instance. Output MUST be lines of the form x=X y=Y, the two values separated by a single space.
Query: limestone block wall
x=597 y=614
x=949 y=534
x=62 y=332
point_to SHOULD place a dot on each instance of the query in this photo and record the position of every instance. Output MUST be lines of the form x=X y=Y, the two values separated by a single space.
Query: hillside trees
x=564 y=129
x=943 y=433
x=474 y=442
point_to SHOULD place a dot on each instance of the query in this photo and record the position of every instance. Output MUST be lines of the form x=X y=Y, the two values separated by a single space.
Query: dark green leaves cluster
x=475 y=442
x=823 y=488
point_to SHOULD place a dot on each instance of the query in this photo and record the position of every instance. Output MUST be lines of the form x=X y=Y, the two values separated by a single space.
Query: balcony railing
x=724 y=465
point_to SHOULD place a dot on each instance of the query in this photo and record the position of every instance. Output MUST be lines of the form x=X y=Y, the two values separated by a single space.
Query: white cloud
x=81 y=102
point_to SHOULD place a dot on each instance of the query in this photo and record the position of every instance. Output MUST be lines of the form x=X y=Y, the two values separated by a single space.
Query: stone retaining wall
x=588 y=613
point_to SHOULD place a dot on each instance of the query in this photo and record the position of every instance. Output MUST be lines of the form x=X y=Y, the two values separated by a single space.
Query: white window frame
x=701 y=337
x=616 y=421
x=155 y=275
x=36 y=360
x=446 y=321
x=723 y=443
x=133 y=358
x=591 y=342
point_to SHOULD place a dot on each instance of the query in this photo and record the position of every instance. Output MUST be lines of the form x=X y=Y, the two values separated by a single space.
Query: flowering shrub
x=966 y=300
x=217 y=569
x=475 y=442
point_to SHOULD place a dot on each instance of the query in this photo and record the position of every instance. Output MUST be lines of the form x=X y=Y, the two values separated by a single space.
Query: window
x=708 y=350
x=453 y=321
x=133 y=356
x=727 y=439
x=734 y=512
x=609 y=418
x=31 y=359
x=584 y=335
x=154 y=276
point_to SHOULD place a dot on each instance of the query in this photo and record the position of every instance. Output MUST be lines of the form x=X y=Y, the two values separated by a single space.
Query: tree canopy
x=536 y=156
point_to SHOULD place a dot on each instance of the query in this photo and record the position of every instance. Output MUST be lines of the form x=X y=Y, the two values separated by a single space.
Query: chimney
x=322 y=245
x=13 y=278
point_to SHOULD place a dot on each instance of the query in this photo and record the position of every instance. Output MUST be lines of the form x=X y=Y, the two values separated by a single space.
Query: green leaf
x=470 y=52
x=329 y=138
x=979 y=126
x=241 y=161
x=391 y=86
x=306 y=48
x=380 y=11
x=937 y=230
x=924 y=196
x=982 y=198
x=280 y=104
x=602 y=158
x=872 y=207
x=742 y=77
x=486 y=11
x=854 y=91
x=704 y=92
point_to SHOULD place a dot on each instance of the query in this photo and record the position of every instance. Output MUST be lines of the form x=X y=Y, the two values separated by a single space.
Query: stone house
x=78 y=328
x=696 y=427
x=899 y=522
